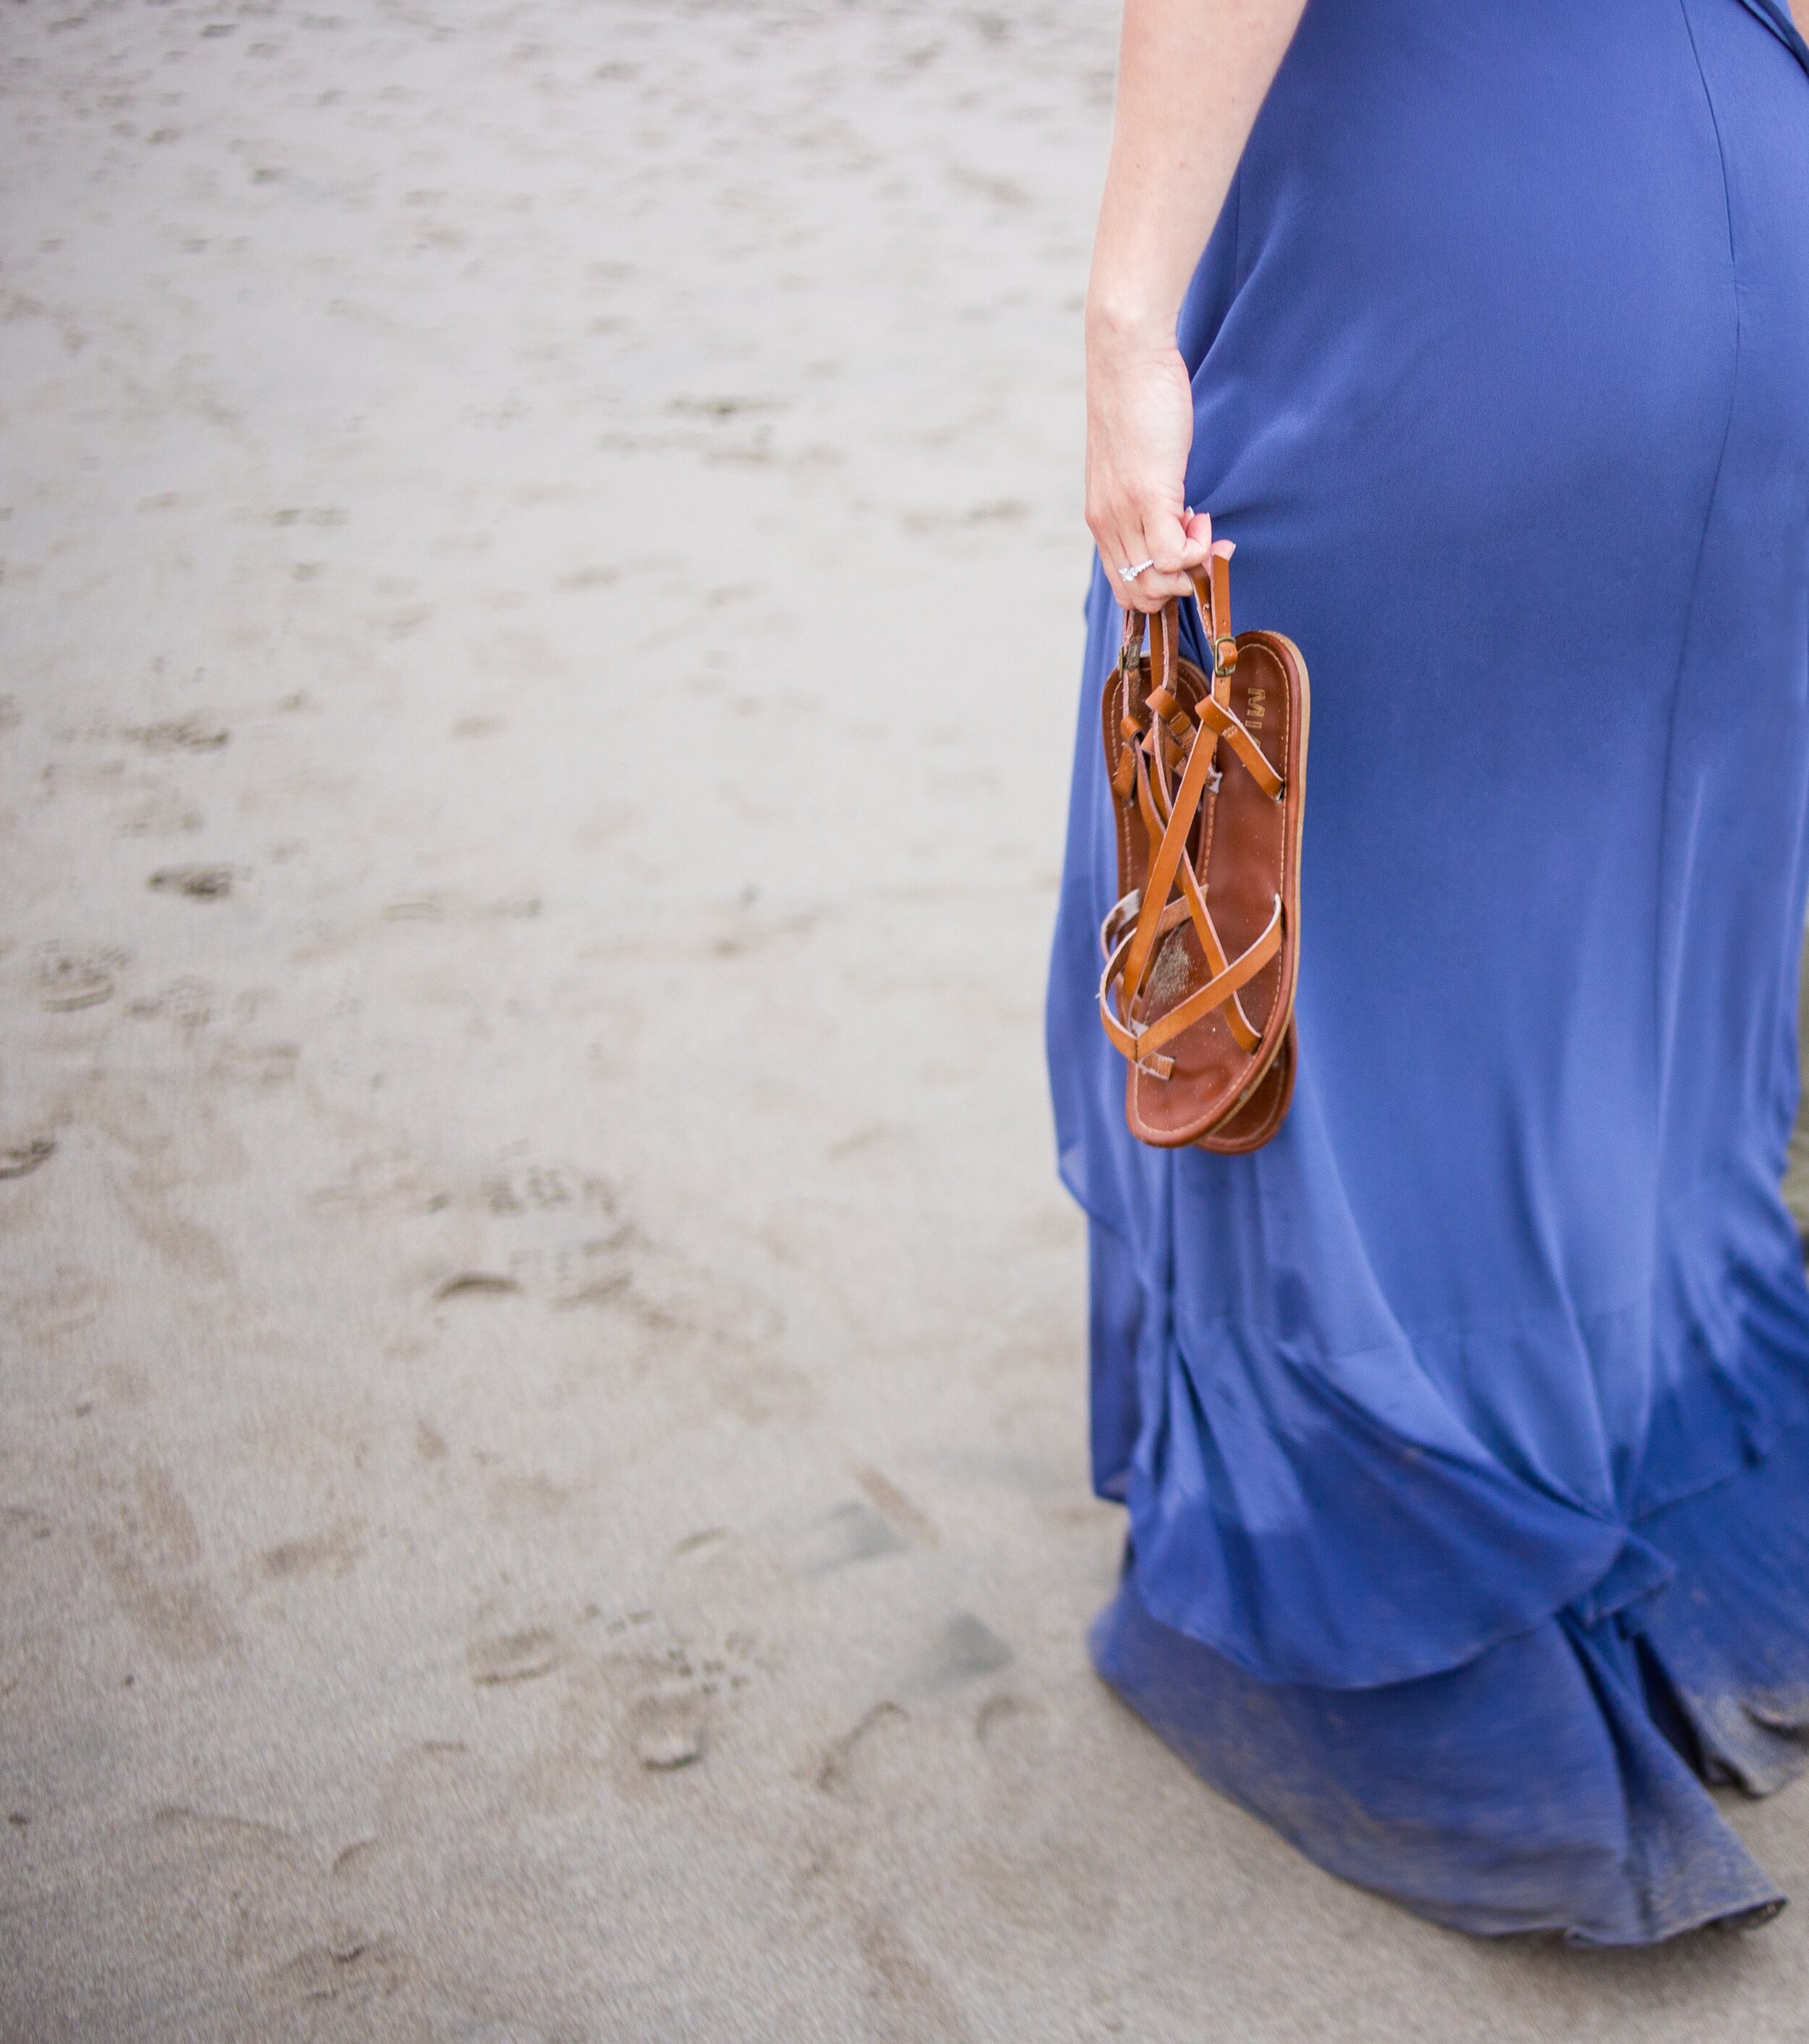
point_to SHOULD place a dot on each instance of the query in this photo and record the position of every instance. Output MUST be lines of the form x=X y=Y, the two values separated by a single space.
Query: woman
x=1464 y=1429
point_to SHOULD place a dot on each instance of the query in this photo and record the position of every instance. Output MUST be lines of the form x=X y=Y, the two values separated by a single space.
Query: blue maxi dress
x=1463 y=1429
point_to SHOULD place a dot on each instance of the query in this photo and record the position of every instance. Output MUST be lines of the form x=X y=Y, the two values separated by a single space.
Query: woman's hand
x=1139 y=433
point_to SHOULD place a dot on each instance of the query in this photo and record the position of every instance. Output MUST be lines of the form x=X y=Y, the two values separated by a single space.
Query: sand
x=542 y=1472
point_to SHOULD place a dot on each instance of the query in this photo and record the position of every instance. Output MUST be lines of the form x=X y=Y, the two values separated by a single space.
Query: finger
x=1148 y=593
x=1152 y=593
x=1164 y=544
x=1121 y=548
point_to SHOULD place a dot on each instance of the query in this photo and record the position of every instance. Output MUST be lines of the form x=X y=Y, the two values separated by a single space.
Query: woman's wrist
x=1122 y=330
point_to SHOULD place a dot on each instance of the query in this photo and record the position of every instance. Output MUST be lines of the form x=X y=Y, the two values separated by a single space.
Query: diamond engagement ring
x=1132 y=574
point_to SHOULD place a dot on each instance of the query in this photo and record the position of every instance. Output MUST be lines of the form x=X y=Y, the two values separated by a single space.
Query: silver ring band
x=1132 y=574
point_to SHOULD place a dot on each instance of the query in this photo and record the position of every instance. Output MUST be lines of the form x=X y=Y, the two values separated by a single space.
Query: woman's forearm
x=1192 y=76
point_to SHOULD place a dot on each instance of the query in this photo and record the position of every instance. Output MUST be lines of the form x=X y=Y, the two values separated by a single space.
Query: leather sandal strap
x=1212 y=589
x=1226 y=723
x=1168 y=854
x=1150 y=801
x=1242 y=1029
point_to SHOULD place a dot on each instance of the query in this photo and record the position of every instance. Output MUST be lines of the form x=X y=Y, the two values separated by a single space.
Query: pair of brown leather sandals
x=1202 y=949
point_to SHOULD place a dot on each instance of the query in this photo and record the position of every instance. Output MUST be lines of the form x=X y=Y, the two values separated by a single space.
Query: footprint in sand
x=665 y=1725
x=516 y=1190
x=19 y=1160
x=339 y=1548
x=68 y=979
x=671 y=1687
x=354 y=1970
x=188 y=1003
x=477 y=1285
x=496 y=1659
x=836 y=1770
x=199 y=883
x=187 y=734
x=150 y=1551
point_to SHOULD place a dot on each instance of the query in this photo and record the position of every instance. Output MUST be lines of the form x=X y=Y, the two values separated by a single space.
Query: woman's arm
x=1192 y=75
